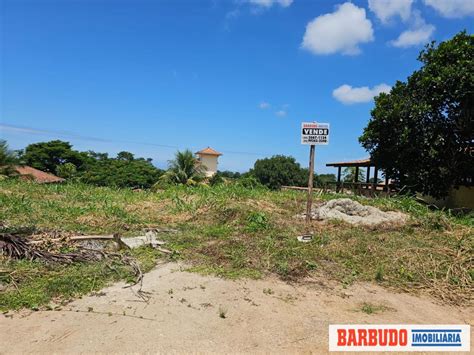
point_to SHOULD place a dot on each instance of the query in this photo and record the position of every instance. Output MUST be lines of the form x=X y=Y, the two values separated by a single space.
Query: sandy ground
x=182 y=316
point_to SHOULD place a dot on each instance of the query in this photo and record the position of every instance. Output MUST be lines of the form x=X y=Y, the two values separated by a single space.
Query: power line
x=67 y=134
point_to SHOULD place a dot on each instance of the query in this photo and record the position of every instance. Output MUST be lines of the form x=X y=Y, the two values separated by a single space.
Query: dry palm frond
x=16 y=247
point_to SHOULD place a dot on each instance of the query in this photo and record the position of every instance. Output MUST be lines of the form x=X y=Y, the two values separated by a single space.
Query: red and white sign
x=396 y=337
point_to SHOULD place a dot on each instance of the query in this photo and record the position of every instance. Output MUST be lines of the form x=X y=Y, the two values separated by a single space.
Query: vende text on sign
x=314 y=133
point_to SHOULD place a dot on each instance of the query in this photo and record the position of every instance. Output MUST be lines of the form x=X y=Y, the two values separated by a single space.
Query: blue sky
x=151 y=76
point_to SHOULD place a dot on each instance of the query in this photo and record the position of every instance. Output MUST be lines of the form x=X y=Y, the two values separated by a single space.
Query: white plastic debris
x=148 y=239
x=306 y=238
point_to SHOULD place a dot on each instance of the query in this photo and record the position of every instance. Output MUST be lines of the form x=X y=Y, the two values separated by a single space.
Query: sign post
x=312 y=134
x=309 y=202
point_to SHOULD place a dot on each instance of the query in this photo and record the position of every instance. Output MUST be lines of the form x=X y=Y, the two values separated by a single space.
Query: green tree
x=278 y=171
x=126 y=156
x=46 y=156
x=350 y=173
x=184 y=169
x=422 y=132
x=230 y=174
x=66 y=170
x=324 y=179
x=120 y=172
x=7 y=159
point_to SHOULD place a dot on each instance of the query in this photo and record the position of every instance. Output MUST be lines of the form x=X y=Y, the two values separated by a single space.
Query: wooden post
x=338 y=186
x=310 y=183
x=374 y=184
x=355 y=188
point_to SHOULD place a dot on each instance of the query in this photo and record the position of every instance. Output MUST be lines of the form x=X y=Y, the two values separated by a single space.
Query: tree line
x=125 y=170
x=59 y=158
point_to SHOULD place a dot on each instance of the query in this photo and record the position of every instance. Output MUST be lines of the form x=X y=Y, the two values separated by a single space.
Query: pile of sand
x=353 y=212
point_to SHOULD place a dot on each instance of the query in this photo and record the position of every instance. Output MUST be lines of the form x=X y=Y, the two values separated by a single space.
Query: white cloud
x=264 y=105
x=386 y=9
x=270 y=3
x=452 y=8
x=420 y=33
x=339 y=31
x=349 y=95
x=281 y=113
x=411 y=38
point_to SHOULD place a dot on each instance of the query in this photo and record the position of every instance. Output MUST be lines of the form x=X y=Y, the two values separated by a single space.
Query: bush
x=216 y=179
x=249 y=182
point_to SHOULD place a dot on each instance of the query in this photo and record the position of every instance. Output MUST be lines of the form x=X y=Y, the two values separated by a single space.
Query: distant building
x=32 y=174
x=208 y=158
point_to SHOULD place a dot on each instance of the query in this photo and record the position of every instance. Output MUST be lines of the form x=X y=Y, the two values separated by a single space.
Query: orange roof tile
x=37 y=175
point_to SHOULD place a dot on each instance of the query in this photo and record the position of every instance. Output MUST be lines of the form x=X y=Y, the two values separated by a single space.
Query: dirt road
x=184 y=313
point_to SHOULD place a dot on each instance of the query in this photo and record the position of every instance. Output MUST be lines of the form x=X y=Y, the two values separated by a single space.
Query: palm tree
x=184 y=169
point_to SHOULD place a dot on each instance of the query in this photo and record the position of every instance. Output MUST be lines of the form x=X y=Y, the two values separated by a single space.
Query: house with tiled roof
x=208 y=157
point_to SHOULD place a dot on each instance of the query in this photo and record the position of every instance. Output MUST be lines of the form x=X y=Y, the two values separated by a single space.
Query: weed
x=268 y=291
x=371 y=308
x=379 y=274
x=257 y=221
x=222 y=312
x=311 y=265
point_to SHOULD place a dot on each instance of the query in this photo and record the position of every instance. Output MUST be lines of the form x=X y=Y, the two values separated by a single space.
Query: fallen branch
x=85 y=237
x=163 y=250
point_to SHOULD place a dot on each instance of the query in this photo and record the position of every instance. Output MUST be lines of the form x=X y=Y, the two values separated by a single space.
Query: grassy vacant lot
x=234 y=231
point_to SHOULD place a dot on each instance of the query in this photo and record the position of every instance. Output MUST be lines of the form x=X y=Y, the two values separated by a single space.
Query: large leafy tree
x=324 y=179
x=422 y=132
x=278 y=171
x=47 y=156
x=123 y=171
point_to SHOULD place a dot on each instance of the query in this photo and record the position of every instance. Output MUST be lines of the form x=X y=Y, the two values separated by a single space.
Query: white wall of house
x=210 y=162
